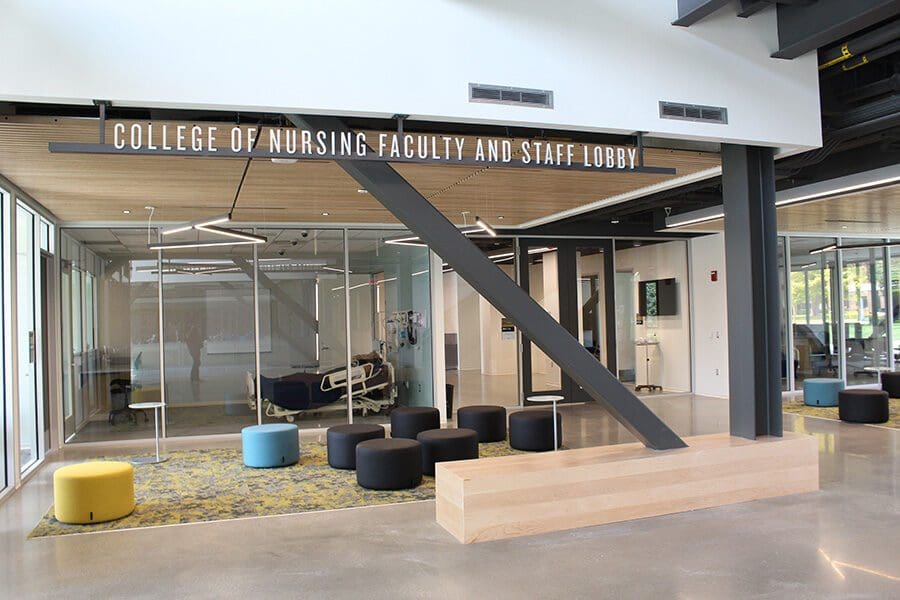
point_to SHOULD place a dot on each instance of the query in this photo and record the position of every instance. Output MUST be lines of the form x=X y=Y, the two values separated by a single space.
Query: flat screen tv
x=658 y=298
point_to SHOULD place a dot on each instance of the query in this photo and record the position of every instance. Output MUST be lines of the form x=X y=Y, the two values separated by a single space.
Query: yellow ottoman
x=93 y=492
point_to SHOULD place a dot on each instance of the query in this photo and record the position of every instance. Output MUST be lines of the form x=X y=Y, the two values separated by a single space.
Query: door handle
x=31 y=348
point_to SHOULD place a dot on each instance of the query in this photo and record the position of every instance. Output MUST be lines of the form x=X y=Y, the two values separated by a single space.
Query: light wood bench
x=509 y=496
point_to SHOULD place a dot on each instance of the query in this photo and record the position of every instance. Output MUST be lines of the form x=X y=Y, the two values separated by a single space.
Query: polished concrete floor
x=841 y=542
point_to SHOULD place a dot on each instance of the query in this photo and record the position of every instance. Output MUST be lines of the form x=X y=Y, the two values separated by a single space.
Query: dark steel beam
x=424 y=220
x=751 y=264
x=802 y=28
x=692 y=11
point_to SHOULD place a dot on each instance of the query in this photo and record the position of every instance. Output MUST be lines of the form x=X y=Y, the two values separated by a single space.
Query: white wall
x=469 y=314
x=608 y=62
x=671 y=360
x=451 y=316
x=710 y=325
x=498 y=355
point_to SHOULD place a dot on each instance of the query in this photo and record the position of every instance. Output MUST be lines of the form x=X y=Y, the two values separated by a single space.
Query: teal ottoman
x=821 y=391
x=272 y=445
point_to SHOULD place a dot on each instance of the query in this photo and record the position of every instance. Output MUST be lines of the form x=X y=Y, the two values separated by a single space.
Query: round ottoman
x=93 y=492
x=890 y=383
x=864 y=406
x=342 y=441
x=489 y=422
x=533 y=430
x=270 y=445
x=389 y=464
x=440 y=445
x=821 y=391
x=408 y=421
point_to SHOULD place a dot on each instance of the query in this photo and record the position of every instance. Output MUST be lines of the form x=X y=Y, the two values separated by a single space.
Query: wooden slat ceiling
x=81 y=188
x=872 y=212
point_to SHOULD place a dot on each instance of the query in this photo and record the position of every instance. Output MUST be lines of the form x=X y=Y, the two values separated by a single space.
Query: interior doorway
x=569 y=279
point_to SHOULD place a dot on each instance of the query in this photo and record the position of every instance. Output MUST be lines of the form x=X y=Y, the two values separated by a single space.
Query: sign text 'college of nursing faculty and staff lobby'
x=275 y=142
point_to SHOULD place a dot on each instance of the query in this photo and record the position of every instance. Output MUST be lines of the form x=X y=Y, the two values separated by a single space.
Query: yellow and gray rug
x=194 y=486
x=831 y=412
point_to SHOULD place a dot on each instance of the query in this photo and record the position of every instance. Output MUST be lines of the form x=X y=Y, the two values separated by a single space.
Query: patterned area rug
x=211 y=485
x=831 y=412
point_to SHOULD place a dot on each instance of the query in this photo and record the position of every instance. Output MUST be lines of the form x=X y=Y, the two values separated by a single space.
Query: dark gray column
x=751 y=262
x=425 y=221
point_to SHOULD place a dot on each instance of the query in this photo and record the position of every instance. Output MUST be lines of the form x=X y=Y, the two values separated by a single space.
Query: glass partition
x=895 y=305
x=210 y=338
x=786 y=357
x=390 y=319
x=26 y=343
x=865 y=312
x=110 y=324
x=303 y=349
x=813 y=302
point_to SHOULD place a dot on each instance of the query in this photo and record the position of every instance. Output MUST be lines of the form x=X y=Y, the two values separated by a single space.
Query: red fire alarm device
x=713 y=275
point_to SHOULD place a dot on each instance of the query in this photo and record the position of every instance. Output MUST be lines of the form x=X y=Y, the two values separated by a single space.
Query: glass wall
x=783 y=333
x=26 y=343
x=110 y=325
x=813 y=297
x=6 y=477
x=210 y=338
x=302 y=343
x=283 y=303
x=864 y=312
x=390 y=325
x=895 y=305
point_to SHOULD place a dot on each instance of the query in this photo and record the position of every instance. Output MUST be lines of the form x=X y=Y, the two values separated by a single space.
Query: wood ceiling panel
x=98 y=188
x=873 y=212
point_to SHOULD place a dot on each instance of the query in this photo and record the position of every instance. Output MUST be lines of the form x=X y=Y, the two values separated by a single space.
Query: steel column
x=425 y=221
x=751 y=261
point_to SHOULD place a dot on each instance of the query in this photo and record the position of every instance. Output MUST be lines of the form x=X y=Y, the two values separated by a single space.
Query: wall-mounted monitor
x=658 y=297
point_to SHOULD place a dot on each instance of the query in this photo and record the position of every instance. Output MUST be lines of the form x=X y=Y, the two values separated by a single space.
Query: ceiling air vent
x=693 y=112
x=497 y=94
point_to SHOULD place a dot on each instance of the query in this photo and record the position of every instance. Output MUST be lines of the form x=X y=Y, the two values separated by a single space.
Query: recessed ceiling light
x=324 y=214
x=362 y=191
x=615 y=221
x=843 y=227
x=126 y=212
x=500 y=217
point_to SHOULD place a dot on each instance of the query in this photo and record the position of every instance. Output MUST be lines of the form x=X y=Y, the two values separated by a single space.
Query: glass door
x=539 y=276
x=26 y=343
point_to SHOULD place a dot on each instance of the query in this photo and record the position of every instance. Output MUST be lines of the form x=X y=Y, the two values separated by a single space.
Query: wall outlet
x=715 y=371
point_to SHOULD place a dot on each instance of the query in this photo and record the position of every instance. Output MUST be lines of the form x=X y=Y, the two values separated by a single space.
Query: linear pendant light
x=200 y=244
x=413 y=240
x=487 y=228
x=209 y=225
x=218 y=220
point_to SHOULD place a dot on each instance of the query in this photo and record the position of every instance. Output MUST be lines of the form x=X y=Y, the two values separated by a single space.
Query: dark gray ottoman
x=863 y=406
x=533 y=430
x=409 y=421
x=389 y=464
x=439 y=445
x=342 y=441
x=489 y=422
x=890 y=383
